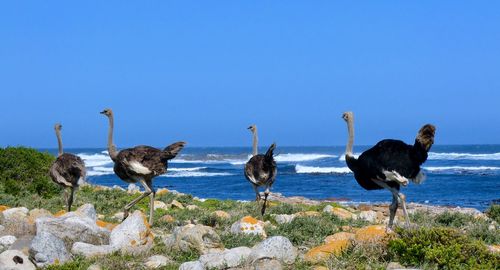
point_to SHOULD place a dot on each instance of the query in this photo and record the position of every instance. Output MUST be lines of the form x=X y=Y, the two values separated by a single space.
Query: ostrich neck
x=59 y=142
x=255 y=141
x=111 y=147
x=350 y=142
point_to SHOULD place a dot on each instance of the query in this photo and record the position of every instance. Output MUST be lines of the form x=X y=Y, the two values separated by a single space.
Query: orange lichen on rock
x=106 y=225
x=167 y=218
x=339 y=236
x=60 y=213
x=3 y=208
x=370 y=234
x=323 y=252
x=162 y=191
x=250 y=220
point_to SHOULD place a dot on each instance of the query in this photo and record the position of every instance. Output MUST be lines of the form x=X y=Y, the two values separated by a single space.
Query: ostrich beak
x=103 y=112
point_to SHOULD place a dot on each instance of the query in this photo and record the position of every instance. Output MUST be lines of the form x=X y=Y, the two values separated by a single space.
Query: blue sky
x=202 y=71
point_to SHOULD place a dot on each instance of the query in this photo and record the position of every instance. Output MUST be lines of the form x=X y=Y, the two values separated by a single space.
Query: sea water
x=458 y=175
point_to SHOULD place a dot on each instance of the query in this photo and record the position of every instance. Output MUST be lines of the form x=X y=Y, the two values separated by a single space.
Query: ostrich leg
x=266 y=193
x=402 y=197
x=151 y=202
x=143 y=195
x=257 y=193
x=70 y=199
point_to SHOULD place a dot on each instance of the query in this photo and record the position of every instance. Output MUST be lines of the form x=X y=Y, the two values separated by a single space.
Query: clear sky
x=202 y=71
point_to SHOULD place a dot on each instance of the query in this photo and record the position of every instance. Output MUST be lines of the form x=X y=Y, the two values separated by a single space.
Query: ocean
x=457 y=175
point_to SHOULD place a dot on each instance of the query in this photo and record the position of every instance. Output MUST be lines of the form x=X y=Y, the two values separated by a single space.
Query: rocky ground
x=192 y=233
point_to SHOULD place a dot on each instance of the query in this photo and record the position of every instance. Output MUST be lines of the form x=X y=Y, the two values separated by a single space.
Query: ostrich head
x=348 y=116
x=252 y=128
x=108 y=112
x=58 y=127
x=426 y=136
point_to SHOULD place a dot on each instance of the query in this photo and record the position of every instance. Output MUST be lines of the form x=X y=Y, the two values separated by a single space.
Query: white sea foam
x=195 y=174
x=461 y=168
x=321 y=170
x=301 y=157
x=94 y=160
x=186 y=169
x=463 y=156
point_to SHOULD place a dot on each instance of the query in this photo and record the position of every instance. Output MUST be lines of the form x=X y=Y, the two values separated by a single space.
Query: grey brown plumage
x=390 y=164
x=68 y=170
x=140 y=164
x=261 y=169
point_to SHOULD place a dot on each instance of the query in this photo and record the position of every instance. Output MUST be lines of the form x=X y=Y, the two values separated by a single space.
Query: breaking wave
x=321 y=170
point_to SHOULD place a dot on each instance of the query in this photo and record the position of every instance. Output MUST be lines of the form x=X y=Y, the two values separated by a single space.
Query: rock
x=117 y=187
x=118 y=216
x=15 y=213
x=249 y=225
x=89 y=250
x=3 y=208
x=194 y=237
x=320 y=267
x=339 y=212
x=2 y=228
x=283 y=219
x=161 y=191
x=221 y=214
x=176 y=204
x=323 y=252
x=394 y=266
x=160 y=205
x=195 y=265
x=6 y=242
x=494 y=248
x=267 y=264
x=87 y=210
x=23 y=243
x=308 y=214
x=49 y=249
x=132 y=189
x=78 y=226
x=15 y=260
x=106 y=225
x=157 y=261
x=133 y=235
x=192 y=207
x=339 y=236
x=37 y=213
x=60 y=213
x=167 y=218
x=94 y=267
x=370 y=234
x=276 y=247
x=229 y=258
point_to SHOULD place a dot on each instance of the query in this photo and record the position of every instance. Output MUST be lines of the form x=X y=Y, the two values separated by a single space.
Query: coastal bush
x=309 y=231
x=26 y=171
x=453 y=219
x=493 y=212
x=446 y=248
x=364 y=256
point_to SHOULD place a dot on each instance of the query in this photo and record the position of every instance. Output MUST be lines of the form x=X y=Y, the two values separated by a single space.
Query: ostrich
x=390 y=164
x=261 y=170
x=140 y=164
x=67 y=170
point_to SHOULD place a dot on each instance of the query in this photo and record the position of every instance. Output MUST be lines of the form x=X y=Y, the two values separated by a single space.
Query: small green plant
x=493 y=212
x=444 y=247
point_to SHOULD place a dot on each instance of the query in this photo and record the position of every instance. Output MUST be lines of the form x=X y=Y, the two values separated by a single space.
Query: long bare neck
x=59 y=142
x=111 y=147
x=350 y=142
x=255 y=142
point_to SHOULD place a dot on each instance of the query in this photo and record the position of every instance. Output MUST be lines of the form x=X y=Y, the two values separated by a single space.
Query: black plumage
x=390 y=164
x=140 y=164
x=261 y=170
x=68 y=170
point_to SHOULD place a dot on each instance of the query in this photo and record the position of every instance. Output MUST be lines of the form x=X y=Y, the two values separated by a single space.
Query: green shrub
x=494 y=212
x=444 y=247
x=453 y=219
x=26 y=171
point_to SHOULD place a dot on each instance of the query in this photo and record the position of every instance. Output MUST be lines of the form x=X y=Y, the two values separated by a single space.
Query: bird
x=68 y=170
x=140 y=164
x=261 y=170
x=390 y=164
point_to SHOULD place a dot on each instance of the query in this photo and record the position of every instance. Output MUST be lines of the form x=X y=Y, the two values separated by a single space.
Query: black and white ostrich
x=390 y=164
x=261 y=170
x=67 y=170
x=140 y=164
